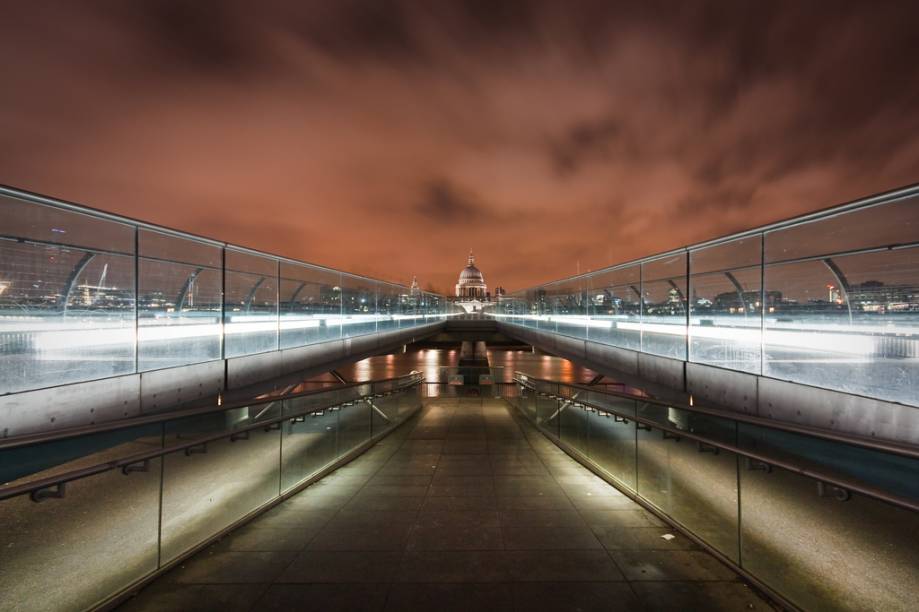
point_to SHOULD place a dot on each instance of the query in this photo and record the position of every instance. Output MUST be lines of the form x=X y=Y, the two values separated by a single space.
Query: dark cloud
x=584 y=142
x=355 y=30
x=442 y=203
x=203 y=35
x=543 y=134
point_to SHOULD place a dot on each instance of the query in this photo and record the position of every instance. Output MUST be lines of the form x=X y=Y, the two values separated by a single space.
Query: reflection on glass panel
x=534 y=306
x=744 y=252
x=158 y=245
x=431 y=306
x=211 y=487
x=698 y=489
x=572 y=427
x=547 y=415
x=612 y=442
x=615 y=307
x=726 y=306
x=823 y=553
x=568 y=305
x=310 y=441
x=66 y=297
x=179 y=302
x=388 y=308
x=46 y=225
x=384 y=413
x=353 y=426
x=663 y=315
x=59 y=550
x=74 y=553
x=877 y=226
x=545 y=299
x=411 y=306
x=310 y=307
x=359 y=306
x=849 y=323
x=251 y=304
x=895 y=474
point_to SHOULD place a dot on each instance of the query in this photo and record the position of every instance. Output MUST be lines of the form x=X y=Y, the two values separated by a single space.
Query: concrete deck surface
x=466 y=507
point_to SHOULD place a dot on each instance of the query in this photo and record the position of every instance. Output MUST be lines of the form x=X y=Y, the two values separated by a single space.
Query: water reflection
x=429 y=362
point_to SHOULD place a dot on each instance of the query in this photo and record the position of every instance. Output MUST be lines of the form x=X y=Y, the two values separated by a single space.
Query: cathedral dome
x=471 y=283
x=471 y=274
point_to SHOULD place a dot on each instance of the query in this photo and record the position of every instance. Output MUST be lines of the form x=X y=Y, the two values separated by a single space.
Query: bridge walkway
x=465 y=507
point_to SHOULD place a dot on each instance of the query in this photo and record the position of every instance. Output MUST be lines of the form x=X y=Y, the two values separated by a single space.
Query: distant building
x=471 y=284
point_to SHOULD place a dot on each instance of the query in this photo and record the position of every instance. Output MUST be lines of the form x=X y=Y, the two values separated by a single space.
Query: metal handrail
x=869 y=443
x=74 y=432
x=139 y=461
x=765 y=460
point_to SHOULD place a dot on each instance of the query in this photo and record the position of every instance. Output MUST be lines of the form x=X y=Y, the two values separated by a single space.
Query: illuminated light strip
x=856 y=328
x=303 y=324
x=76 y=340
x=654 y=328
x=342 y=321
x=830 y=343
x=798 y=339
x=149 y=333
x=805 y=340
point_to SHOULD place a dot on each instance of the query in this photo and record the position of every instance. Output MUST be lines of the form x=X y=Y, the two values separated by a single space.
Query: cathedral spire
x=471 y=261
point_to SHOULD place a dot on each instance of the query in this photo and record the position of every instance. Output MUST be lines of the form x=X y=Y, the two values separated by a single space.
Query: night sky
x=388 y=138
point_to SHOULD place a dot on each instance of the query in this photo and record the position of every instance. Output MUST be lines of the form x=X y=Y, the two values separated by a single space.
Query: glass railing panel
x=74 y=552
x=547 y=415
x=209 y=487
x=384 y=412
x=542 y=308
x=388 y=306
x=573 y=425
x=820 y=546
x=353 y=425
x=570 y=308
x=621 y=405
x=66 y=297
x=30 y=462
x=694 y=483
x=663 y=309
x=849 y=323
x=823 y=553
x=310 y=305
x=309 y=441
x=615 y=307
x=895 y=474
x=359 y=306
x=893 y=223
x=527 y=401
x=611 y=445
x=718 y=429
x=406 y=401
x=727 y=305
x=179 y=302
x=251 y=304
